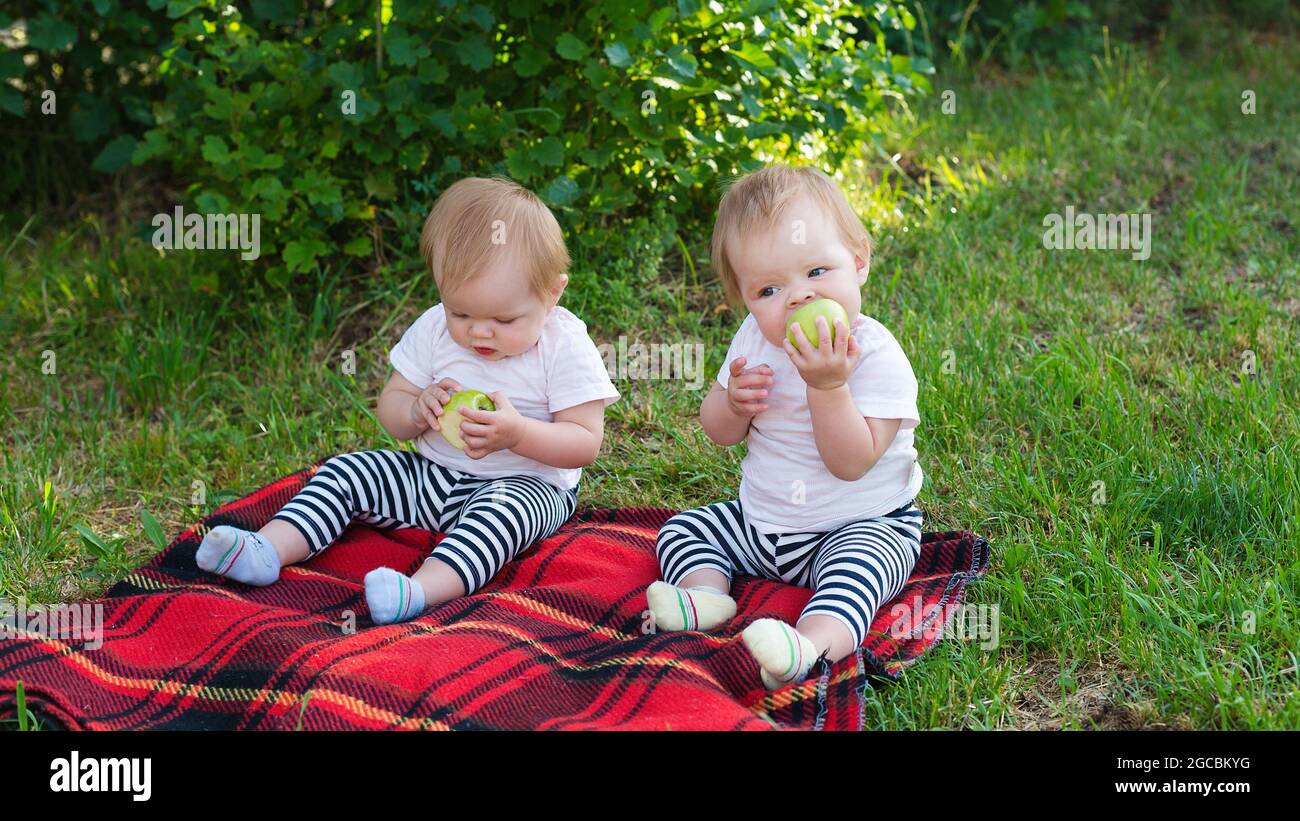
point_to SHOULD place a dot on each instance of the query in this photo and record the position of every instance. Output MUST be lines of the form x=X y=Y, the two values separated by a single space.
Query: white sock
x=692 y=608
x=238 y=554
x=392 y=596
x=782 y=652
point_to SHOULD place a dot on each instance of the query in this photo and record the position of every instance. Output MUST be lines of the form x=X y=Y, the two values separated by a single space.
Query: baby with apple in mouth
x=828 y=408
x=496 y=473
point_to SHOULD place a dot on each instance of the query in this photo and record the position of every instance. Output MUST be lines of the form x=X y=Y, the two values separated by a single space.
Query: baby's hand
x=826 y=366
x=747 y=387
x=427 y=407
x=485 y=431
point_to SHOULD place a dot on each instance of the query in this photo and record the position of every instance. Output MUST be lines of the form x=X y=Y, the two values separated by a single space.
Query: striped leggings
x=854 y=569
x=487 y=521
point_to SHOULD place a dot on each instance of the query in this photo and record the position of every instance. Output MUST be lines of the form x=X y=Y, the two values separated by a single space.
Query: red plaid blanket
x=559 y=640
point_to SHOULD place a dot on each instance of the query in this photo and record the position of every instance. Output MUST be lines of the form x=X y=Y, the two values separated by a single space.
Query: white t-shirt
x=563 y=369
x=784 y=486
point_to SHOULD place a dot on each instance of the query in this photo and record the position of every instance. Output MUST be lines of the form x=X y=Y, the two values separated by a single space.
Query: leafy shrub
x=99 y=59
x=1062 y=32
x=610 y=111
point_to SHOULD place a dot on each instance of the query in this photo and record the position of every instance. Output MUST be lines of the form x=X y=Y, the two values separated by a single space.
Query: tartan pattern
x=557 y=640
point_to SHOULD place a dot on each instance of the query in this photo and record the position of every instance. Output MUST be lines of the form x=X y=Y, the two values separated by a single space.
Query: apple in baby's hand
x=449 y=422
x=807 y=315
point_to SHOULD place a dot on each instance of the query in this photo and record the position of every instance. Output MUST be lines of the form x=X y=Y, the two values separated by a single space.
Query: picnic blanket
x=560 y=639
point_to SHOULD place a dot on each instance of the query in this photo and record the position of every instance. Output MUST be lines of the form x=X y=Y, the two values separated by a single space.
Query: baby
x=828 y=483
x=499 y=260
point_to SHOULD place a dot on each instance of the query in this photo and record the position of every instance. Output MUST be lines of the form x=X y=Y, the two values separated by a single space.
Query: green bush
x=1017 y=33
x=610 y=111
x=99 y=59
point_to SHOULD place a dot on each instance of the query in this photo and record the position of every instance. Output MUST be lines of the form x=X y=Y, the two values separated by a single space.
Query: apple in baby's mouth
x=807 y=315
x=449 y=422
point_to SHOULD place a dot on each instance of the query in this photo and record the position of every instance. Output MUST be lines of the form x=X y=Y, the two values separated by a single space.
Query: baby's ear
x=864 y=267
x=559 y=288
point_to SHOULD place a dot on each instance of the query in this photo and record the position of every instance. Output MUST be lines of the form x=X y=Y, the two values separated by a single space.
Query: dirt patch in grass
x=1095 y=701
x=1197 y=317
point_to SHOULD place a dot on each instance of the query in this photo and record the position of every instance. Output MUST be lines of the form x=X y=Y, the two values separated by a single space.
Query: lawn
x=1124 y=432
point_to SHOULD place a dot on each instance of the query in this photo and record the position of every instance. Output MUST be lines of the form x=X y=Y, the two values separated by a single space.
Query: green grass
x=1088 y=413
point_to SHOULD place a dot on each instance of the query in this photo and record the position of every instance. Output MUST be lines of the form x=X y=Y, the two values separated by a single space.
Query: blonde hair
x=479 y=219
x=758 y=199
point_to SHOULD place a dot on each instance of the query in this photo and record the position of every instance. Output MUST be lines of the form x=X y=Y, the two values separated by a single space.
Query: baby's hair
x=757 y=200
x=478 y=220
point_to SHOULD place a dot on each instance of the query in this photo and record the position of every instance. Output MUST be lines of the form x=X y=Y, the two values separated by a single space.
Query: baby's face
x=496 y=314
x=799 y=259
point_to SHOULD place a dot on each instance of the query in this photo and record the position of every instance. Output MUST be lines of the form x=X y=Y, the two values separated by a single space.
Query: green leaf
x=560 y=192
x=213 y=202
x=521 y=164
x=413 y=155
x=475 y=54
x=49 y=33
x=279 y=276
x=301 y=255
x=405 y=49
x=442 y=120
x=380 y=185
x=152 y=529
x=115 y=155
x=681 y=61
x=660 y=17
x=400 y=93
x=433 y=72
x=531 y=61
x=360 y=247
x=599 y=75
x=214 y=150
x=318 y=189
x=570 y=47
x=618 y=55
x=95 y=544
x=753 y=54
x=346 y=75
x=180 y=8
x=270 y=189
x=597 y=157
x=550 y=151
x=481 y=16
x=155 y=145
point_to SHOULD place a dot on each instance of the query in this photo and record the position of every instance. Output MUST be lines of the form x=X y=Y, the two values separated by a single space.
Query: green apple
x=807 y=315
x=449 y=422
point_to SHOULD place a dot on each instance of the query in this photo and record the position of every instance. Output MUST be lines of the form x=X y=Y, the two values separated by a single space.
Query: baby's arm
x=571 y=440
x=726 y=413
x=849 y=443
x=401 y=412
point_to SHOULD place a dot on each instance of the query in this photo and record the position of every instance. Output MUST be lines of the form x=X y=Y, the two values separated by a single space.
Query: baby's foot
x=238 y=554
x=392 y=596
x=783 y=653
x=693 y=608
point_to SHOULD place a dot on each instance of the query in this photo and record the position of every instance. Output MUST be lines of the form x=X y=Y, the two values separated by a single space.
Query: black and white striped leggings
x=487 y=521
x=854 y=569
